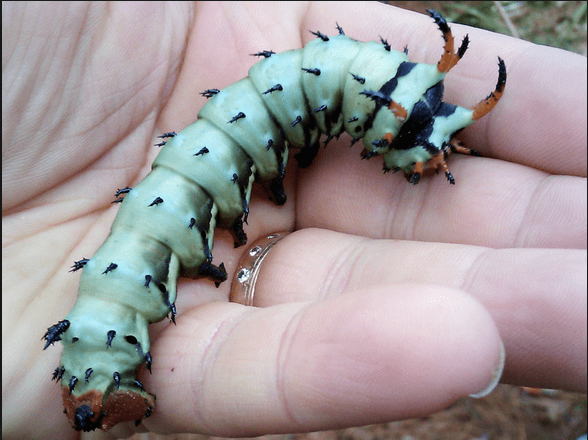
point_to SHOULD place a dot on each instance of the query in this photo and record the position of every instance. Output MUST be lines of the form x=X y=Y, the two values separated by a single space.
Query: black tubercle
x=464 y=46
x=89 y=372
x=263 y=53
x=120 y=192
x=340 y=29
x=202 y=151
x=148 y=361
x=192 y=223
x=156 y=202
x=359 y=79
x=240 y=115
x=367 y=156
x=139 y=384
x=58 y=373
x=209 y=93
x=79 y=264
x=297 y=120
x=234 y=178
x=109 y=337
x=161 y=144
x=110 y=268
x=321 y=36
x=501 y=76
x=405 y=50
x=316 y=72
x=167 y=135
x=72 y=384
x=116 y=377
x=440 y=22
x=54 y=332
x=320 y=109
x=385 y=43
x=173 y=312
x=148 y=279
x=276 y=88
x=270 y=143
x=377 y=96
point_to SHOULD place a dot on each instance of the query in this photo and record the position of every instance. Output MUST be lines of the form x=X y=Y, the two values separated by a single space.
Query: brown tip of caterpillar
x=88 y=411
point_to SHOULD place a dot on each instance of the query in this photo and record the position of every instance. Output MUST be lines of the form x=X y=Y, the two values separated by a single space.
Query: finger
x=536 y=296
x=493 y=203
x=369 y=356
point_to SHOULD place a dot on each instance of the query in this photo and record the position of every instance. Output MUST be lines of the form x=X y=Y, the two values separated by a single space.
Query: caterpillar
x=203 y=176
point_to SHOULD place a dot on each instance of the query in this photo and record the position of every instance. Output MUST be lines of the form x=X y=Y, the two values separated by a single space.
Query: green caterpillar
x=203 y=176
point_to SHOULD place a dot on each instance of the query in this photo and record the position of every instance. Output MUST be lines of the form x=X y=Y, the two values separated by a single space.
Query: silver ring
x=243 y=285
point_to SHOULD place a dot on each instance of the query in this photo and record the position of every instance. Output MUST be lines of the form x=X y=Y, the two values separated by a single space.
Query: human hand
x=348 y=330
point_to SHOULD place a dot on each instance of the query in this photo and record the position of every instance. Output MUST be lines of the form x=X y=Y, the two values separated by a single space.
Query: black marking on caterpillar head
x=276 y=88
x=316 y=72
x=109 y=337
x=116 y=377
x=358 y=79
x=54 y=332
x=110 y=268
x=340 y=29
x=321 y=36
x=263 y=53
x=202 y=151
x=209 y=93
x=79 y=264
x=385 y=43
x=156 y=202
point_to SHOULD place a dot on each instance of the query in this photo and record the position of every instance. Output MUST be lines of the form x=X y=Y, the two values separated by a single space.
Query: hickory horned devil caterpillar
x=204 y=175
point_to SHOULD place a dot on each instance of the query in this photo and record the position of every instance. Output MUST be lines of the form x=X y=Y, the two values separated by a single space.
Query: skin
x=390 y=300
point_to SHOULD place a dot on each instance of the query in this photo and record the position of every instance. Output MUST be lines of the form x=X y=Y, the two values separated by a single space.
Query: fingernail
x=495 y=376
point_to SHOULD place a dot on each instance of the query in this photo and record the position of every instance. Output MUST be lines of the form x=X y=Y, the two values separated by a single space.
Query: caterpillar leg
x=439 y=162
